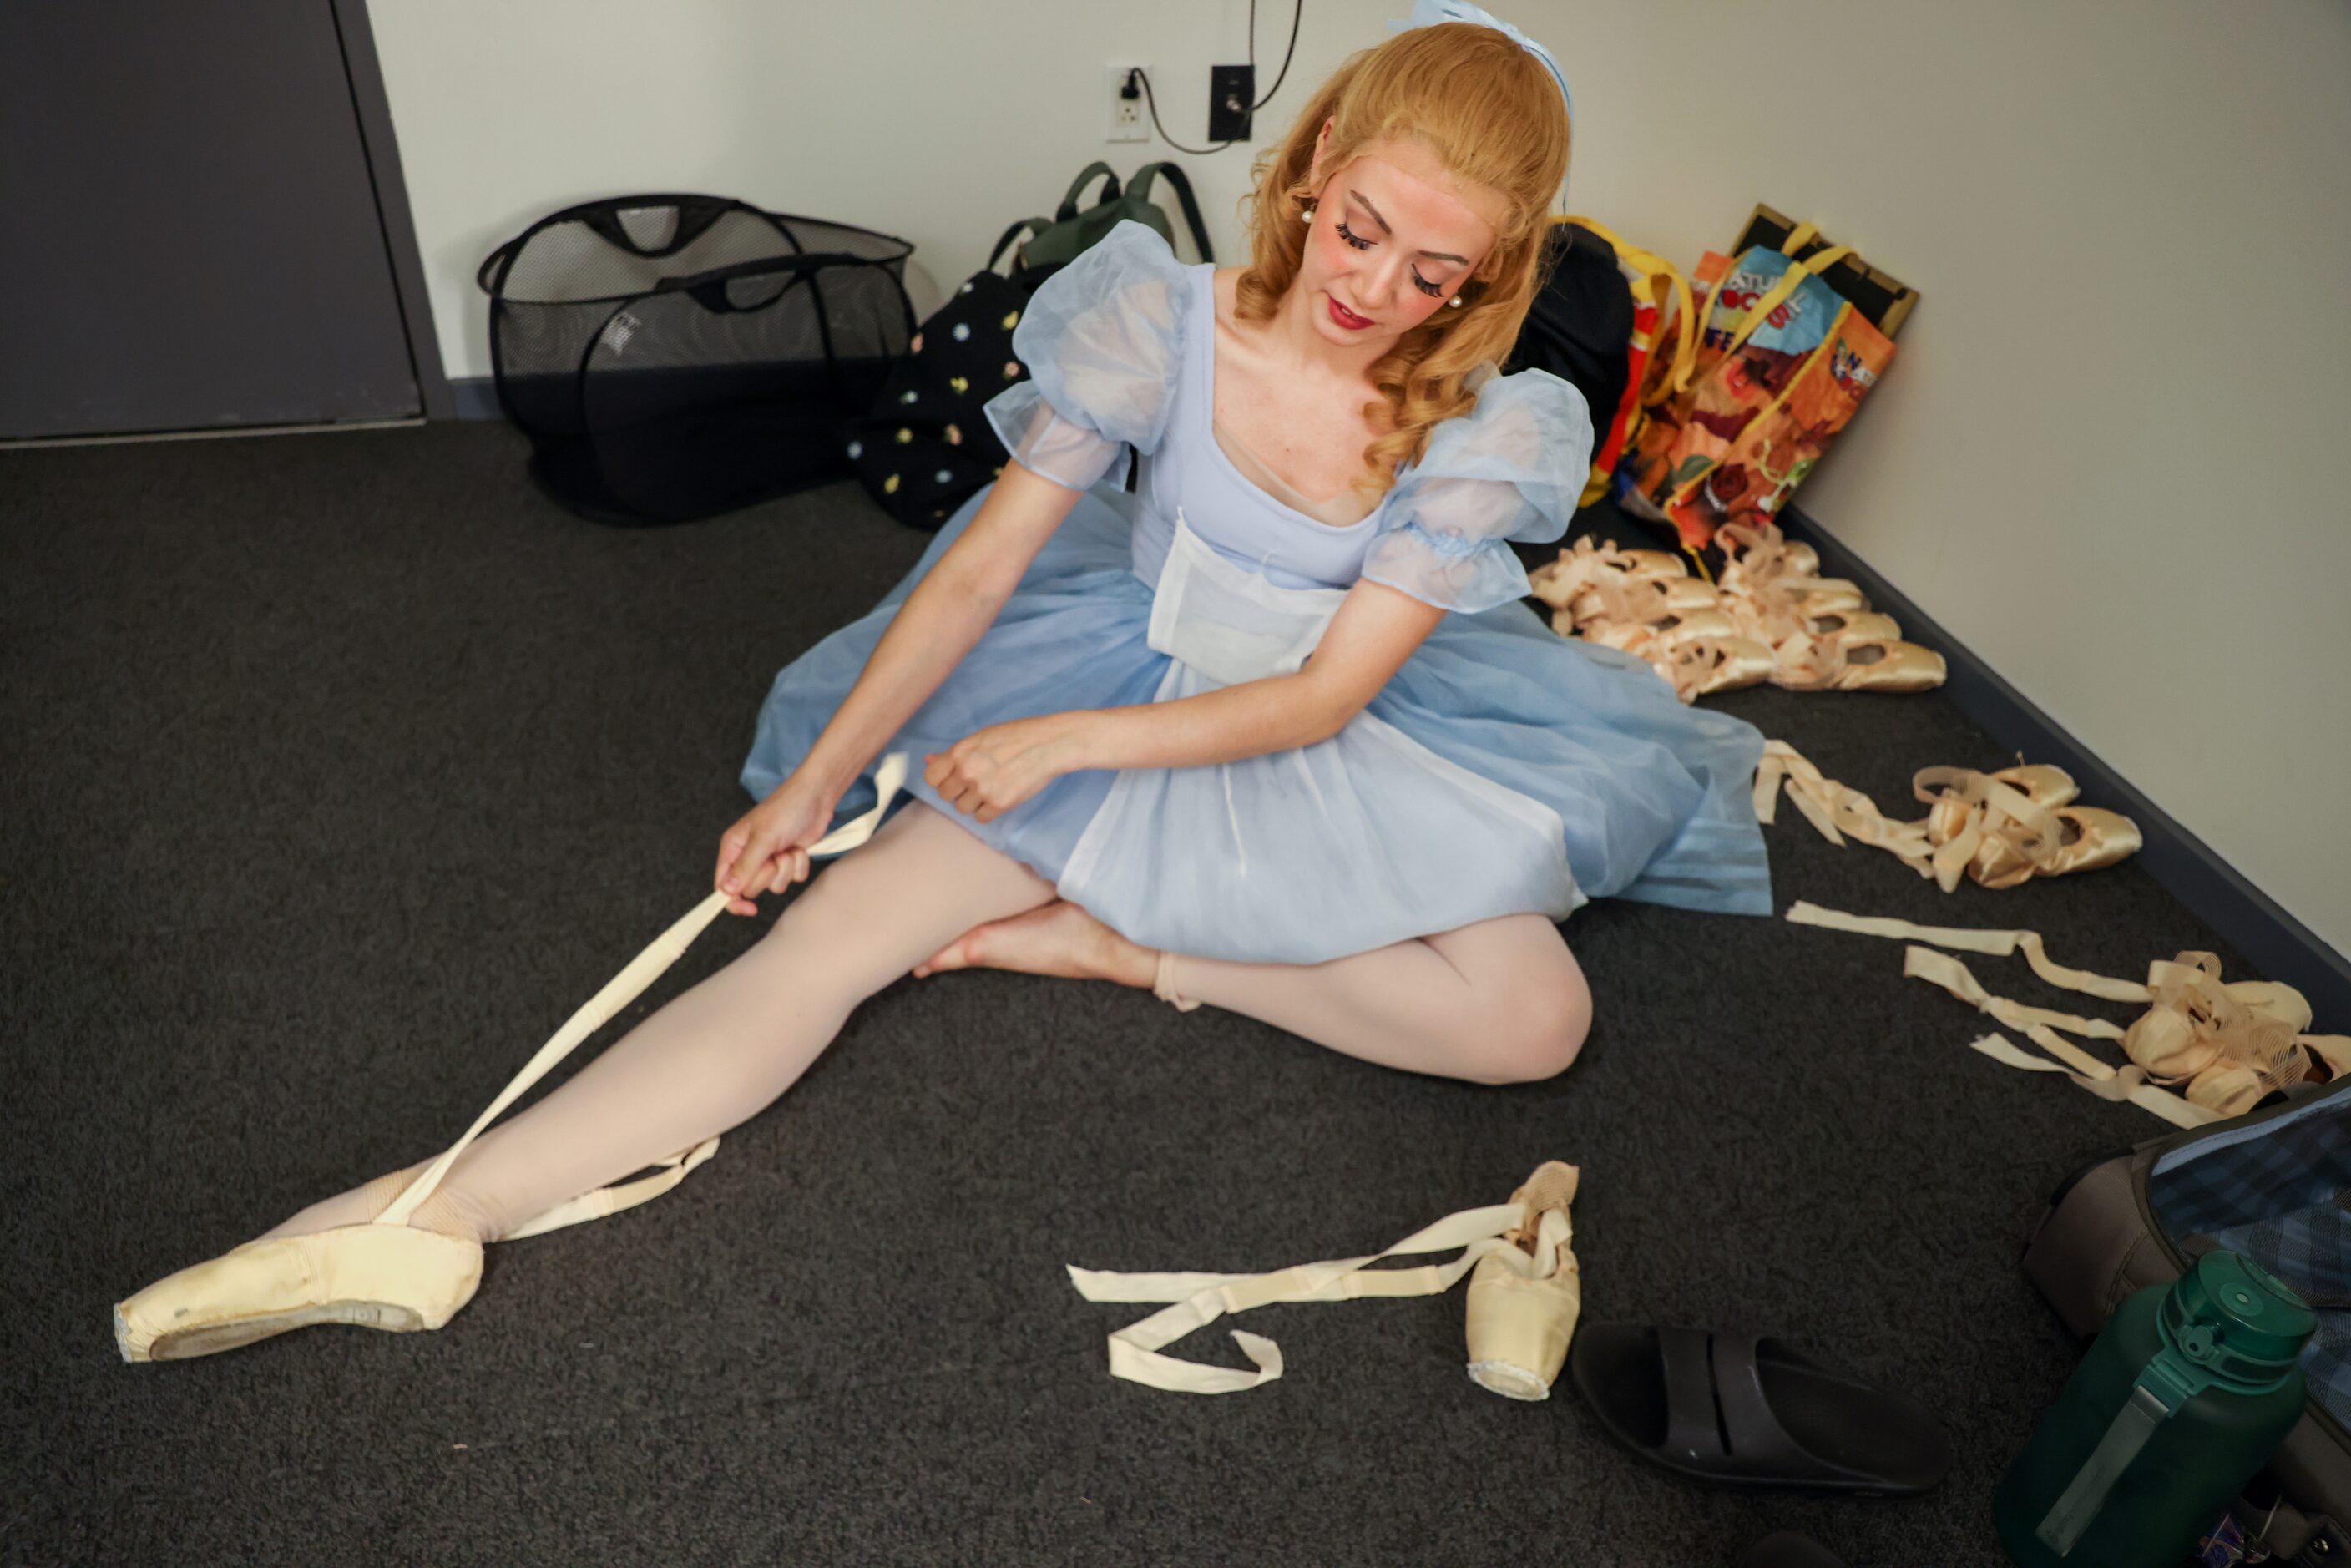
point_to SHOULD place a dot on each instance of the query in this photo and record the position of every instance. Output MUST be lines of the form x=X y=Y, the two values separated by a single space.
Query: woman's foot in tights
x=1057 y=938
x=445 y=1211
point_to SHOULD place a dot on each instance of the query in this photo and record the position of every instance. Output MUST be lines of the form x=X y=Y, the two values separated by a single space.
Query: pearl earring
x=1306 y=213
x=1455 y=302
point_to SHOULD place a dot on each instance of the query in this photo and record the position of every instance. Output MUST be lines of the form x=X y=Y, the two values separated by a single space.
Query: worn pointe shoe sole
x=389 y=1277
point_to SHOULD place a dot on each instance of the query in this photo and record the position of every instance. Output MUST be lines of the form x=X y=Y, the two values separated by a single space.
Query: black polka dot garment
x=925 y=446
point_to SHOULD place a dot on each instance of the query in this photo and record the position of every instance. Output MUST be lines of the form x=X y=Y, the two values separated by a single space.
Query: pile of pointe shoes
x=1772 y=617
x=2227 y=1044
x=1996 y=829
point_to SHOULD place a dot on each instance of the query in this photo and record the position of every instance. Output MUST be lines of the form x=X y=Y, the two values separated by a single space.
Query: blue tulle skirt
x=1503 y=769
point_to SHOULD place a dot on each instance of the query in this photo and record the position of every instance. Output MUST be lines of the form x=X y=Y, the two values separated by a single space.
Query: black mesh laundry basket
x=674 y=357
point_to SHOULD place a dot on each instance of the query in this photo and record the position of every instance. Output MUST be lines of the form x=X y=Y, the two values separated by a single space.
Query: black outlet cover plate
x=1232 y=95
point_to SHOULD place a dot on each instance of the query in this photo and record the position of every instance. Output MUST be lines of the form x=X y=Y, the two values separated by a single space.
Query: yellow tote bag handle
x=1687 y=334
x=1777 y=294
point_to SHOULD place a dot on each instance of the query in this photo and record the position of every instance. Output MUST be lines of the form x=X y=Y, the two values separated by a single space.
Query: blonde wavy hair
x=1493 y=114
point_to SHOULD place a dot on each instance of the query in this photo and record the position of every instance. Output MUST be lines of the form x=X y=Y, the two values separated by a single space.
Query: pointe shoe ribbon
x=619 y=992
x=2229 y=1043
x=1761 y=561
x=1201 y=1298
x=1982 y=819
x=1999 y=828
x=1837 y=811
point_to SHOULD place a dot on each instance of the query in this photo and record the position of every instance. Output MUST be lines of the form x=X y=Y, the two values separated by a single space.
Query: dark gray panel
x=192 y=239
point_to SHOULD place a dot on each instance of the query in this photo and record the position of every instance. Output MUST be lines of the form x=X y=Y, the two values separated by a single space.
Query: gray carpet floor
x=339 y=769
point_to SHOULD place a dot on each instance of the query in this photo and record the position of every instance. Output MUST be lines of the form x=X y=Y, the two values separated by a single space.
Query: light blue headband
x=1429 y=13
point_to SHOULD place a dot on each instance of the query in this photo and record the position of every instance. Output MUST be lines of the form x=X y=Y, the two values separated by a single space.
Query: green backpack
x=1055 y=243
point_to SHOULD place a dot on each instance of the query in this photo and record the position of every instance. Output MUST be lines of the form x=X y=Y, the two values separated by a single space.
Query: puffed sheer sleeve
x=1511 y=468
x=1103 y=341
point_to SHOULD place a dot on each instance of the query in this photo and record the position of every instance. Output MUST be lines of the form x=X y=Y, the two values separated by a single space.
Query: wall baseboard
x=2188 y=868
x=477 y=397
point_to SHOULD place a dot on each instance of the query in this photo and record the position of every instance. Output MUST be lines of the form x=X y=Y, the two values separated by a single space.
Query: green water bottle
x=2185 y=1394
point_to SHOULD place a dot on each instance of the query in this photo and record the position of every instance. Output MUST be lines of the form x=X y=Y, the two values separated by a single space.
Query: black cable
x=1143 y=77
x=1297 y=10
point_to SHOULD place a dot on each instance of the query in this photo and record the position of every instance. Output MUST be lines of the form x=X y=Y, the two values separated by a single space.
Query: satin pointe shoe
x=1559 y=582
x=1949 y=811
x=2231 y=1044
x=387 y=1275
x=1999 y=829
x=1808 y=647
x=1864 y=665
x=1827 y=596
x=2091 y=839
x=1702 y=663
x=1849 y=625
x=372 y=1276
x=1644 y=599
x=1698 y=654
x=1525 y=1298
x=2077 y=838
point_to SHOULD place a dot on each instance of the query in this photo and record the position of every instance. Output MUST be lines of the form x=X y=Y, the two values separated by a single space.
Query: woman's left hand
x=988 y=772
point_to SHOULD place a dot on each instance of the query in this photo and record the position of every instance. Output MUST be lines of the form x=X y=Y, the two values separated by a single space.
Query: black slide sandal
x=1745 y=1411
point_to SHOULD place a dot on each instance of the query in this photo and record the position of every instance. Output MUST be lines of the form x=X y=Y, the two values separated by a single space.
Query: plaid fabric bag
x=2274 y=1186
x=1782 y=364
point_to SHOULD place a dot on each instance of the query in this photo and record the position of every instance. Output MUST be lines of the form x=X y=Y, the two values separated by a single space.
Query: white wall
x=938 y=120
x=2102 y=458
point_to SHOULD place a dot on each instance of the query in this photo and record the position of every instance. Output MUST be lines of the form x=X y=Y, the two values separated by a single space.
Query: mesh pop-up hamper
x=674 y=357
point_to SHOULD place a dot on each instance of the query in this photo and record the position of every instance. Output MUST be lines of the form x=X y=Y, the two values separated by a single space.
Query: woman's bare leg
x=1499 y=1001
x=723 y=1051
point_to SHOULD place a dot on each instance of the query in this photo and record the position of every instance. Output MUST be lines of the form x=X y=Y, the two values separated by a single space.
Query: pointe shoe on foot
x=386 y=1273
x=390 y=1276
x=1524 y=1299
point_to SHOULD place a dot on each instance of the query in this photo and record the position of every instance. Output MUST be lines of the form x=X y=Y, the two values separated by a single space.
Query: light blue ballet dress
x=1503 y=769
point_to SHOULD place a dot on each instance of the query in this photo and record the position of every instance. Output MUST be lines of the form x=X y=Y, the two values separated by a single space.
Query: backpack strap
x=1069 y=207
x=1140 y=186
x=1033 y=226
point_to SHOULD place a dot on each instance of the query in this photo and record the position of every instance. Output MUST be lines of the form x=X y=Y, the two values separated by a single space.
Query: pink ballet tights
x=1500 y=1001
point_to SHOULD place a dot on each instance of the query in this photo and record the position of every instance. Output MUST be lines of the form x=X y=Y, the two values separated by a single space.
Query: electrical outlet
x=1232 y=92
x=1124 y=118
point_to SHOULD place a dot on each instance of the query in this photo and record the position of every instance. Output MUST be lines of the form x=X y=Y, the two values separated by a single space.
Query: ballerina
x=1274 y=732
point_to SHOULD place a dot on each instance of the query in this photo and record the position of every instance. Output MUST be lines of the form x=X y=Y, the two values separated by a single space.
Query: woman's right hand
x=768 y=846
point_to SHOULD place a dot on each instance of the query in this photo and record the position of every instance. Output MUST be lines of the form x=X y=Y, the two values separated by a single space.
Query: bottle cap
x=2237 y=1321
